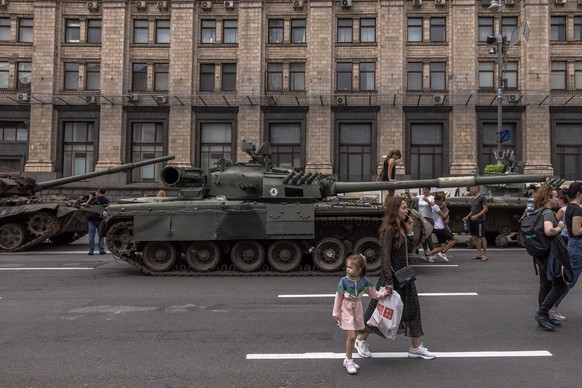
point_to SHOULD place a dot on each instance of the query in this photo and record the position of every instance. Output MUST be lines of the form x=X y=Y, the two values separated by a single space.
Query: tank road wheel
x=159 y=256
x=372 y=250
x=202 y=256
x=501 y=241
x=284 y=256
x=329 y=254
x=39 y=223
x=119 y=239
x=12 y=236
x=247 y=256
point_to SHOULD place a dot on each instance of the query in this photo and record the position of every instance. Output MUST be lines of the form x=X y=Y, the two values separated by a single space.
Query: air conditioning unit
x=229 y=4
x=509 y=2
x=346 y=3
x=161 y=99
x=206 y=4
x=163 y=5
x=513 y=97
x=93 y=5
x=22 y=97
x=141 y=4
x=438 y=99
x=3 y=3
x=417 y=3
x=133 y=97
x=340 y=100
x=440 y=2
x=561 y=2
x=90 y=99
x=486 y=3
x=297 y=3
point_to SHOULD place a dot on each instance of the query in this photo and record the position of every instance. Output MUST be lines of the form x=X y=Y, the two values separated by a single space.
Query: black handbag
x=405 y=275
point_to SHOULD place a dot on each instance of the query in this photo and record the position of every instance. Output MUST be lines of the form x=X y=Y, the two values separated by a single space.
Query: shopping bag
x=387 y=315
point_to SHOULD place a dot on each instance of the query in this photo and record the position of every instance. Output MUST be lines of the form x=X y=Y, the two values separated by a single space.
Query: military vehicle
x=27 y=219
x=255 y=218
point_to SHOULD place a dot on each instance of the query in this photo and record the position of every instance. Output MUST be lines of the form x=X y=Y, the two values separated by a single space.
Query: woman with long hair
x=388 y=172
x=396 y=236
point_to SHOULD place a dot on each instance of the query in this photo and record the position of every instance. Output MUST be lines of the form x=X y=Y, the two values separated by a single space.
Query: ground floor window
x=489 y=137
x=78 y=148
x=285 y=141
x=426 y=150
x=355 y=152
x=147 y=143
x=215 y=143
x=568 y=151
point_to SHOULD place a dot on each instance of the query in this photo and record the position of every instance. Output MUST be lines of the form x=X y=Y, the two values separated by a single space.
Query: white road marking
x=435 y=265
x=330 y=355
x=419 y=294
x=43 y=269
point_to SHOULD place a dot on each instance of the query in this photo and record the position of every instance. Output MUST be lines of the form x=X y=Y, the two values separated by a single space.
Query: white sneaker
x=420 y=352
x=363 y=348
x=351 y=366
x=430 y=258
x=443 y=257
x=555 y=315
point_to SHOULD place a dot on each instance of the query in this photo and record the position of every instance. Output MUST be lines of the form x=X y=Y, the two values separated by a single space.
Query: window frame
x=486 y=27
x=4 y=75
x=139 y=76
x=578 y=28
x=554 y=73
x=345 y=30
x=140 y=30
x=71 y=147
x=19 y=72
x=412 y=29
x=228 y=77
x=558 y=28
x=72 y=30
x=414 y=75
x=365 y=74
x=71 y=76
x=438 y=28
x=90 y=75
x=25 y=30
x=436 y=72
x=276 y=31
x=5 y=29
x=94 y=30
x=161 y=76
x=206 y=81
x=367 y=29
x=294 y=73
x=489 y=73
x=158 y=145
x=301 y=29
x=274 y=73
x=163 y=30
x=346 y=74
x=229 y=30
x=208 y=31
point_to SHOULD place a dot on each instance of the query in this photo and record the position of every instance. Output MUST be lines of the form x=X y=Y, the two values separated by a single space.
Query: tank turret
x=255 y=217
x=27 y=219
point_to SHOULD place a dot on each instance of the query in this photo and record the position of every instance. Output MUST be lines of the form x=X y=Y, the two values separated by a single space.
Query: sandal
x=484 y=259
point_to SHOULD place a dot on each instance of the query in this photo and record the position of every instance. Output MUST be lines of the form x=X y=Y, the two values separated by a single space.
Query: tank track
x=52 y=229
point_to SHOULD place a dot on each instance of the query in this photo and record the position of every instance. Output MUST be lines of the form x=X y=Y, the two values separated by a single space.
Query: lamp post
x=497 y=5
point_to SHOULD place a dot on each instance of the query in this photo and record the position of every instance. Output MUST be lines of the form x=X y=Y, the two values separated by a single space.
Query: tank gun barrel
x=112 y=170
x=455 y=181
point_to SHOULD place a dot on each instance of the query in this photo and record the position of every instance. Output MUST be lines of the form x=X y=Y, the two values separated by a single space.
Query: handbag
x=405 y=275
x=387 y=315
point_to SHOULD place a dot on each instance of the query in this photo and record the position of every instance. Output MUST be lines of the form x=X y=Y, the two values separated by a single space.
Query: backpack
x=536 y=242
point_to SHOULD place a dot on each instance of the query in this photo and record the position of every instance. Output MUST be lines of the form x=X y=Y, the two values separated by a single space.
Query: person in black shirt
x=476 y=219
x=96 y=199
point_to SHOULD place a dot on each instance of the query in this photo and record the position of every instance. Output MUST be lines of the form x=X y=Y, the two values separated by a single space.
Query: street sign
x=505 y=136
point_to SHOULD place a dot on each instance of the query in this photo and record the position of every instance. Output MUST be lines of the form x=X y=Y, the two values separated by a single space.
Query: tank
x=254 y=218
x=28 y=219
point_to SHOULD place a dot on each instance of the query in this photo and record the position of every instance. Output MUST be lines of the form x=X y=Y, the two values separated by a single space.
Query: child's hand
x=337 y=320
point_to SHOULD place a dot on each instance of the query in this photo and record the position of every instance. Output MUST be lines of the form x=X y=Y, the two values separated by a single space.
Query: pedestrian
x=562 y=205
x=396 y=236
x=96 y=199
x=161 y=193
x=388 y=172
x=573 y=221
x=425 y=202
x=529 y=208
x=347 y=308
x=476 y=218
x=551 y=287
x=445 y=237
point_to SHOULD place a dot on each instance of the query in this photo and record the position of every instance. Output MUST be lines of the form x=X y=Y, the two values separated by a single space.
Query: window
x=162 y=31
x=508 y=25
x=4 y=29
x=344 y=30
x=297 y=76
x=78 y=148
x=94 y=31
x=414 y=73
x=25 y=30
x=24 y=75
x=274 y=76
x=355 y=152
x=485 y=28
x=228 y=76
x=558 y=75
x=426 y=151
x=207 y=77
x=344 y=76
x=276 y=31
x=140 y=31
x=229 y=31
x=161 y=74
x=71 y=76
x=438 y=30
x=285 y=139
x=568 y=151
x=72 y=30
x=147 y=143
x=558 y=28
x=367 y=30
x=215 y=143
x=139 y=76
x=4 y=75
x=13 y=131
x=367 y=76
x=93 y=76
x=208 y=34
x=511 y=75
x=489 y=139
x=415 y=29
x=578 y=75
x=578 y=28
x=298 y=31
x=438 y=76
x=486 y=75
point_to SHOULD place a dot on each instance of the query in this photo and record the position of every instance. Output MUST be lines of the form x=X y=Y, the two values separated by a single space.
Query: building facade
x=333 y=85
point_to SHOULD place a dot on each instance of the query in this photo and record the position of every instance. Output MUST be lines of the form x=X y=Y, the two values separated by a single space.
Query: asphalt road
x=72 y=320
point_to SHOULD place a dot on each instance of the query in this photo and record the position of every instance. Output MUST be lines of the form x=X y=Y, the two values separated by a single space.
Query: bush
x=494 y=169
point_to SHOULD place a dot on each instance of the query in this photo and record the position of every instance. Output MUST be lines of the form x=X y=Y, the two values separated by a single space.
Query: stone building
x=333 y=85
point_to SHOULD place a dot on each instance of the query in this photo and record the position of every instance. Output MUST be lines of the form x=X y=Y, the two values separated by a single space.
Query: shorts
x=477 y=228
x=443 y=235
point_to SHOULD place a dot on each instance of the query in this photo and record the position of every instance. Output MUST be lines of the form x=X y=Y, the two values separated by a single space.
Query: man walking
x=476 y=218
x=95 y=219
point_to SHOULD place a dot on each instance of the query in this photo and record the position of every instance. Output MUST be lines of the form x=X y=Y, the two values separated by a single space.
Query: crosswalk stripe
x=43 y=269
x=331 y=355
x=419 y=294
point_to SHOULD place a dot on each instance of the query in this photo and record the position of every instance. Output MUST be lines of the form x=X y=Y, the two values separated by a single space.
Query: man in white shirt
x=425 y=202
x=444 y=236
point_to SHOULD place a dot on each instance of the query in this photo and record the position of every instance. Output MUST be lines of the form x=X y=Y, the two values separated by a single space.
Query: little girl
x=347 y=307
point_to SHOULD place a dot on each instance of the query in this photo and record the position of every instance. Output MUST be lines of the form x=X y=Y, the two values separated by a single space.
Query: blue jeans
x=93 y=227
x=575 y=251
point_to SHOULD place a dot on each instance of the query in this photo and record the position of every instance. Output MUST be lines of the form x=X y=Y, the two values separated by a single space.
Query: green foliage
x=494 y=169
